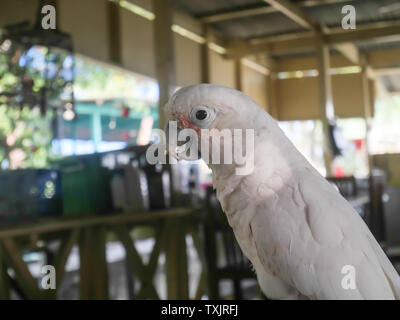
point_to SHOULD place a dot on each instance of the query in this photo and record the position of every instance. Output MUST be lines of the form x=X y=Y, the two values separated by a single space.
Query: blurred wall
x=98 y=33
x=90 y=24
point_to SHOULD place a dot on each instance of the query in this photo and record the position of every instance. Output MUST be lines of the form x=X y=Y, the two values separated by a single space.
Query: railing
x=91 y=233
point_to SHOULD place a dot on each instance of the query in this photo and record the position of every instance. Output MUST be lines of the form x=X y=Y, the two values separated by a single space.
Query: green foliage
x=26 y=130
x=27 y=74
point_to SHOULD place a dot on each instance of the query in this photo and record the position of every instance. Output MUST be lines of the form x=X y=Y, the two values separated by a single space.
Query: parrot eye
x=202 y=116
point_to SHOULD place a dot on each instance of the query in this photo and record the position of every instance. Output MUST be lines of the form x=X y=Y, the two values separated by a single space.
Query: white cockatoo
x=302 y=237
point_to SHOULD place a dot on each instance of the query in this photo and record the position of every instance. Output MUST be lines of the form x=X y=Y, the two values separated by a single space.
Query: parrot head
x=205 y=106
x=212 y=109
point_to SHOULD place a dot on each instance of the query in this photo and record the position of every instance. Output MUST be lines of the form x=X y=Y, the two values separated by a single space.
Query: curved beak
x=173 y=146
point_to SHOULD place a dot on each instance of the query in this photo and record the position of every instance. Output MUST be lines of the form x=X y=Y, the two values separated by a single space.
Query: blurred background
x=81 y=86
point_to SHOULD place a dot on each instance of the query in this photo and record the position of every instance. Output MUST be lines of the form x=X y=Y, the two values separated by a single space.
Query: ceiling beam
x=293 y=12
x=349 y=51
x=231 y=15
x=367 y=32
x=306 y=41
x=386 y=71
x=236 y=14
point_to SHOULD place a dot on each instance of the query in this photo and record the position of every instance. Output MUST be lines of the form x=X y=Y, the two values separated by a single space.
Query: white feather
x=295 y=228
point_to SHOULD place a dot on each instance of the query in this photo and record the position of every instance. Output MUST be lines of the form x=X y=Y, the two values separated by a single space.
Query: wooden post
x=367 y=103
x=177 y=272
x=205 y=56
x=100 y=280
x=325 y=98
x=114 y=40
x=93 y=264
x=164 y=54
x=272 y=104
x=238 y=74
x=86 y=265
x=4 y=280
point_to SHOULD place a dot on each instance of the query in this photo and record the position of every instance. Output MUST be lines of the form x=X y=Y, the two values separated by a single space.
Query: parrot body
x=296 y=229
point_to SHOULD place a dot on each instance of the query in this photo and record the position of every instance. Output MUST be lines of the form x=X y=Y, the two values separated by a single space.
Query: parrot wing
x=310 y=237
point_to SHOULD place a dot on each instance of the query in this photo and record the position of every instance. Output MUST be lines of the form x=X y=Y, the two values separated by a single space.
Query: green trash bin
x=85 y=185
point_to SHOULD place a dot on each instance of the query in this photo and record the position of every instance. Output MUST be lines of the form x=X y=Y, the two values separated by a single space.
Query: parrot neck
x=274 y=155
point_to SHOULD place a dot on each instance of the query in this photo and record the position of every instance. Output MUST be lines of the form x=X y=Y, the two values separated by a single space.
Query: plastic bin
x=29 y=194
x=86 y=185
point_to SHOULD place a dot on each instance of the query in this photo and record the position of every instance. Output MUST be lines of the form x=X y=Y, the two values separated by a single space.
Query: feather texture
x=294 y=227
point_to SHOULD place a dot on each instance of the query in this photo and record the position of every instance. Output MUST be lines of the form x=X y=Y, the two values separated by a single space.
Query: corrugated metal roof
x=201 y=8
x=275 y=23
x=367 y=11
x=258 y=26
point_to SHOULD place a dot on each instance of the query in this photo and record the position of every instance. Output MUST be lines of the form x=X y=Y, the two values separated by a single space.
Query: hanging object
x=69 y=112
x=125 y=112
x=38 y=64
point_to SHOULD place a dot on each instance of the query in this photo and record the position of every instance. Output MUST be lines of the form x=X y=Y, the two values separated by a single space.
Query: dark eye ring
x=201 y=114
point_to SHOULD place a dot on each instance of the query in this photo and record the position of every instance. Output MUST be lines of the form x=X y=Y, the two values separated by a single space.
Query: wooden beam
x=23 y=276
x=350 y=51
x=373 y=32
x=236 y=14
x=144 y=273
x=62 y=255
x=114 y=31
x=276 y=45
x=164 y=54
x=325 y=99
x=293 y=12
x=306 y=41
x=386 y=71
x=138 y=218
